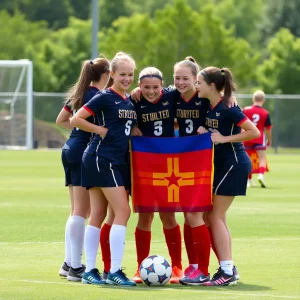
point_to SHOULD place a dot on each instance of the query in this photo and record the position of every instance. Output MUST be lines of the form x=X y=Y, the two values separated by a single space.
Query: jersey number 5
x=128 y=127
x=255 y=119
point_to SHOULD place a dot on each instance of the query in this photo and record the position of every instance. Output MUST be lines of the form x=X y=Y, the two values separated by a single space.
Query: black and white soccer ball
x=155 y=270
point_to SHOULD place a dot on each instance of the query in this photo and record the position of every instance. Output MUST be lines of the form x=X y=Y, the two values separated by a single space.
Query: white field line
x=237 y=293
x=163 y=241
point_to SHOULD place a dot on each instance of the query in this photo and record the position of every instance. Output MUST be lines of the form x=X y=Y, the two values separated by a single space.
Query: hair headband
x=150 y=76
x=206 y=76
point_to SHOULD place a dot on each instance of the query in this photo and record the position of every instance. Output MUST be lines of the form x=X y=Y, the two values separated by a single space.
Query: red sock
x=250 y=176
x=202 y=247
x=212 y=243
x=189 y=244
x=173 y=240
x=142 y=244
x=104 y=244
x=261 y=170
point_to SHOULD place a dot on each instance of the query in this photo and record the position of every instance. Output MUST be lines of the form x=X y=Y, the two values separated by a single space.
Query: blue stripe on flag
x=171 y=145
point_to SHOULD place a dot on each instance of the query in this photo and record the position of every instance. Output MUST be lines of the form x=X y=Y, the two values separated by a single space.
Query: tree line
x=259 y=40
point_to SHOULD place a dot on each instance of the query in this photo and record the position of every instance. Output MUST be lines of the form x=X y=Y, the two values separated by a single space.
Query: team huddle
x=102 y=117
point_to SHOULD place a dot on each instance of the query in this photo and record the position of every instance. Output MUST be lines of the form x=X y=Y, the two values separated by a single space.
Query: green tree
x=112 y=10
x=279 y=14
x=175 y=32
x=279 y=73
x=18 y=34
x=54 y=12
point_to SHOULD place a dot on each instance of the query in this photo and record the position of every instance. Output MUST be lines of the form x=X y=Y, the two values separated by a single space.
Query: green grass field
x=34 y=206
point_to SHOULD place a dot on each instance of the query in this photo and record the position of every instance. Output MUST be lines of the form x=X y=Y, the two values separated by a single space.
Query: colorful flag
x=255 y=161
x=172 y=174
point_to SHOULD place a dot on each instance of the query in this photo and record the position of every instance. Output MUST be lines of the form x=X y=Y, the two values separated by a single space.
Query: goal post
x=16 y=104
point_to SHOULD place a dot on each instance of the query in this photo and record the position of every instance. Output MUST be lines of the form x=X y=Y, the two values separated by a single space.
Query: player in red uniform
x=261 y=118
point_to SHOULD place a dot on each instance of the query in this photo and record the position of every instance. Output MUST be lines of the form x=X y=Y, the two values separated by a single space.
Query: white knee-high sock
x=91 y=242
x=68 y=254
x=117 y=244
x=77 y=229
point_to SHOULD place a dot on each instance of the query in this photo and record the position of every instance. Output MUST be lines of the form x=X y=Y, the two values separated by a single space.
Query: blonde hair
x=150 y=72
x=189 y=62
x=119 y=57
x=259 y=96
x=91 y=70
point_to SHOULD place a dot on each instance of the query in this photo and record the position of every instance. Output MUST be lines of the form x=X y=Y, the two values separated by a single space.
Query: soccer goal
x=16 y=104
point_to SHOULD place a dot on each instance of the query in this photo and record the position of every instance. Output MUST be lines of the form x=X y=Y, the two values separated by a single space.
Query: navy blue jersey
x=117 y=115
x=157 y=119
x=227 y=121
x=79 y=139
x=190 y=114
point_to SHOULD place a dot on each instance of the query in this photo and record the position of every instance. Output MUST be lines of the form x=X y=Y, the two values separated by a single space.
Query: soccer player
x=102 y=165
x=231 y=162
x=190 y=115
x=155 y=115
x=261 y=119
x=93 y=78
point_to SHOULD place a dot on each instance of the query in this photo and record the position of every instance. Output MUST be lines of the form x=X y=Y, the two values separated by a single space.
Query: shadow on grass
x=177 y=287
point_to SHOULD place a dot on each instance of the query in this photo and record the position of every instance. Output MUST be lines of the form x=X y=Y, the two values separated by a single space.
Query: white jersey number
x=128 y=127
x=189 y=128
x=158 y=128
x=255 y=119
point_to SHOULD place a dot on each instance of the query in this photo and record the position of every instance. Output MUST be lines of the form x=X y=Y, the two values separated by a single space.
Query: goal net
x=16 y=104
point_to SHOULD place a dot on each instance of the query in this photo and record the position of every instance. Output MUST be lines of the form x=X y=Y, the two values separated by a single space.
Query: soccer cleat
x=76 y=274
x=176 y=275
x=104 y=275
x=221 y=279
x=195 y=278
x=250 y=183
x=261 y=181
x=236 y=273
x=119 y=278
x=93 y=277
x=137 y=277
x=188 y=271
x=64 y=270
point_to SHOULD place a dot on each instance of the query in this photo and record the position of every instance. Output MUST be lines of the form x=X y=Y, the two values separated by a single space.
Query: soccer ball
x=155 y=270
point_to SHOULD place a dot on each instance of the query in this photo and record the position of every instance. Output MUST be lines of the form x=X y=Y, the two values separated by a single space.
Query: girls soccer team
x=199 y=105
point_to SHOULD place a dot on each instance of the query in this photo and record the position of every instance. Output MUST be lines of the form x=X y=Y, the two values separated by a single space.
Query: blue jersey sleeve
x=96 y=104
x=67 y=106
x=236 y=115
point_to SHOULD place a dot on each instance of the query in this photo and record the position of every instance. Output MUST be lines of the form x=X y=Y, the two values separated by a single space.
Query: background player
x=155 y=115
x=231 y=162
x=93 y=78
x=101 y=167
x=261 y=119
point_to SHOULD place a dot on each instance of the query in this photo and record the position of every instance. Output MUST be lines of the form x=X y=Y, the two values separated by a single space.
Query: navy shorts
x=232 y=181
x=98 y=172
x=71 y=161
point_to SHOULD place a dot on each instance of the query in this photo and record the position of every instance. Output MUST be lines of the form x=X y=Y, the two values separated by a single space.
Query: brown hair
x=91 y=70
x=189 y=62
x=119 y=57
x=223 y=80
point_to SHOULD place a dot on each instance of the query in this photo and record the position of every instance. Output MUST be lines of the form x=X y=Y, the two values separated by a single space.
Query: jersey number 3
x=158 y=128
x=190 y=127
